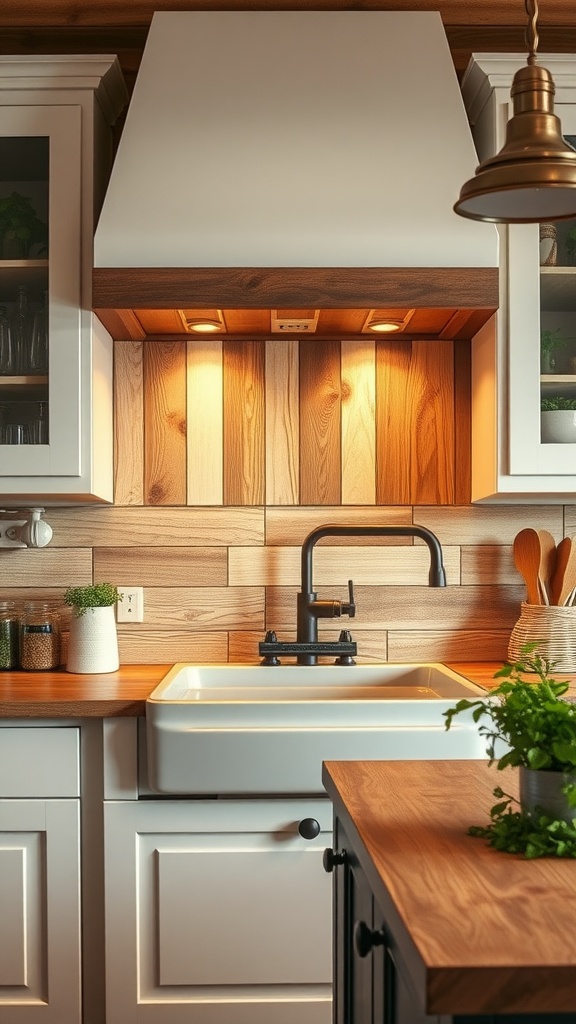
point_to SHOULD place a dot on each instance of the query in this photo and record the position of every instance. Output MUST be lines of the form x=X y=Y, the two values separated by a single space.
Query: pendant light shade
x=533 y=177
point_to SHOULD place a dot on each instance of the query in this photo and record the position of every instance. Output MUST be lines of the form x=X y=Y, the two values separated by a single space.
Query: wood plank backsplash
x=227 y=453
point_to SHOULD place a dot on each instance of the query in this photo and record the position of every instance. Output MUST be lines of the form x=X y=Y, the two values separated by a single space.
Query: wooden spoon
x=527 y=560
x=547 y=563
x=564 y=576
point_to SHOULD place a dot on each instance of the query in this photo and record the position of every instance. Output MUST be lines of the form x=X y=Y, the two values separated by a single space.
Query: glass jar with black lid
x=39 y=637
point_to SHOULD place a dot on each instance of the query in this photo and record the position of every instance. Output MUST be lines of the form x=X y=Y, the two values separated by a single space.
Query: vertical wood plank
x=165 y=423
x=431 y=402
x=128 y=423
x=320 y=447
x=205 y=429
x=282 y=423
x=243 y=364
x=358 y=423
x=393 y=453
x=462 y=423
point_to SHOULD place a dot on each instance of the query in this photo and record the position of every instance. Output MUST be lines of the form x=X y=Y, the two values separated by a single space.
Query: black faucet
x=310 y=609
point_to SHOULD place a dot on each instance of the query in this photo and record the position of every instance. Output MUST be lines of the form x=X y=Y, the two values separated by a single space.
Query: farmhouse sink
x=232 y=729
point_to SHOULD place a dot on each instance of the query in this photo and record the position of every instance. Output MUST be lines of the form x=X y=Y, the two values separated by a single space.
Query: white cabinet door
x=56 y=411
x=40 y=912
x=217 y=912
x=513 y=458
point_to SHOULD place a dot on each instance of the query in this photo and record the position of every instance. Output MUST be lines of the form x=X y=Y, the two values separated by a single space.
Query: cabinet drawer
x=40 y=762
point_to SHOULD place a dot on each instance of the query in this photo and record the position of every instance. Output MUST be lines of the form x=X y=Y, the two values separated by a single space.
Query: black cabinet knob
x=365 y=938
x=331 y=859
x=309 y=828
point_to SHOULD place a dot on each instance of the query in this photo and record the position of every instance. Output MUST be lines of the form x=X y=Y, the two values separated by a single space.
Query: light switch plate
x=131 y=607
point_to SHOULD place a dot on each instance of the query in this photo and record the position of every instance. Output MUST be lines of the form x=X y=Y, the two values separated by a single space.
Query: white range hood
x=293 y=139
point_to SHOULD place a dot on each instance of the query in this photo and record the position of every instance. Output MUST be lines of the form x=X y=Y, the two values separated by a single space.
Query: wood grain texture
x=358 y=360
x=163 y=566
x=201 y=609
x=160 y=645
x=488 y=564
x=277 y=287
x=333 y=566
x=291 y=526
x=477 y=524
x=178 y=527
x=320 y=446
x=61 y=694
x=244 y=459
x=204 y=423
x=128 y=423
x=407 y=820
x=462 y=424
x=446 y=645
x=45 y=566
x=282 y=423
x=392 y=425
x=165 y=423
x=411 y=608
x=431 y=404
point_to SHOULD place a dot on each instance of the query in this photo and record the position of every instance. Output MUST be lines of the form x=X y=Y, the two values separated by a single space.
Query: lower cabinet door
x=40 y=912
x=217 y=912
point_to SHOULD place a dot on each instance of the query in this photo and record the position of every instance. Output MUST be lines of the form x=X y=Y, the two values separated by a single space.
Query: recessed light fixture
x=387 y=321
x=194 y=323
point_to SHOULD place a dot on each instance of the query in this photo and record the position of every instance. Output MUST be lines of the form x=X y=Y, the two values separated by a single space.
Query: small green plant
x=557 y=403
x=98 y=595
x=550 y=341
x=538 y=728
x=20 y=225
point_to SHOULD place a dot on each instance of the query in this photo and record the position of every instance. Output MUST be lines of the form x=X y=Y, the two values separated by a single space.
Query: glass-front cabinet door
x=40 y=264
x=524 y=413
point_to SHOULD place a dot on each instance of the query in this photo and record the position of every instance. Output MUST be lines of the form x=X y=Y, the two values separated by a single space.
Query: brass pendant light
x=533 y=177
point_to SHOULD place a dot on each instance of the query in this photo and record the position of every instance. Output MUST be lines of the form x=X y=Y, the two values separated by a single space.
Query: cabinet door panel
x=217 y=912
x=39 y=911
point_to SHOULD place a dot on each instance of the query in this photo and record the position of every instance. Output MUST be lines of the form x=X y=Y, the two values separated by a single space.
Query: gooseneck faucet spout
x=310 y=609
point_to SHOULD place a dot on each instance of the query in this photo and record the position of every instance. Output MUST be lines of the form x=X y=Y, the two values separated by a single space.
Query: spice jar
x=8 y=635
x=39 y=637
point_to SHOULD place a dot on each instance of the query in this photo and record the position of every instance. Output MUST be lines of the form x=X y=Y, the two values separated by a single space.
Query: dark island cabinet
x=414 y=939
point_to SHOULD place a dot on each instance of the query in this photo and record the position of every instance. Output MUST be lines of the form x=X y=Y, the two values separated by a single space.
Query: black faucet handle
x=350 y=608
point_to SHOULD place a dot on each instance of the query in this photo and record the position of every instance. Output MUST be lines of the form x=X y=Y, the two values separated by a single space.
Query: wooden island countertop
x=61 y=694
x=482 y=931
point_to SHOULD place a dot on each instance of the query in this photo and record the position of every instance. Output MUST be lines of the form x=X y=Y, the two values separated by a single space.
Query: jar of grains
x=8 y=635
x=39 y=637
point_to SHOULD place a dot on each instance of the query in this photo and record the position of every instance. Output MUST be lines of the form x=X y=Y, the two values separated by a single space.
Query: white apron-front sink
x=233 y=729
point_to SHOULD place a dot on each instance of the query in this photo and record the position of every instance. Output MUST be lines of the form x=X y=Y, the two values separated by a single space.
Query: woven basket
x=553 y=628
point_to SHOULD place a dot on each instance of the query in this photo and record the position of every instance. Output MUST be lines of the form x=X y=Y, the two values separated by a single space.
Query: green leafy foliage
x=557 y=403
x=99 y=595
x=512 y=831
x=530 y=717
x=538 y=727
x=18 y=219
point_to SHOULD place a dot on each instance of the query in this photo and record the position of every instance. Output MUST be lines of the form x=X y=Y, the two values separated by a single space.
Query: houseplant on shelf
x=550 y=342
x=93 y=641
x=20 y=228
x=558 y=420
x=532 y=727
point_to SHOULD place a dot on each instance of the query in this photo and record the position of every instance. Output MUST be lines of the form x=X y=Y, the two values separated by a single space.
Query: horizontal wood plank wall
x=229 y=453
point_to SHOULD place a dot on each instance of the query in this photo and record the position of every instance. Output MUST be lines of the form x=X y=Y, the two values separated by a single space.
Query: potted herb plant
x=93 y=640
x=532 y=727
x=21 y=228
x=550 y=342
x=558 y=419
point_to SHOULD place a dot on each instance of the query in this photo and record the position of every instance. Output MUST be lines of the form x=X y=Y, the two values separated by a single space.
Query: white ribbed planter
x=93 y=642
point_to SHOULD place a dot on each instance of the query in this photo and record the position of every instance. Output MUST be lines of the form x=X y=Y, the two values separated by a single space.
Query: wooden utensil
x=547 y=563
x=527 y=560
x=564 y=575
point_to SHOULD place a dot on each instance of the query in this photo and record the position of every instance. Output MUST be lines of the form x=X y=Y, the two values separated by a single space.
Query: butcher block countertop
x=61 y=694
x=484 y=931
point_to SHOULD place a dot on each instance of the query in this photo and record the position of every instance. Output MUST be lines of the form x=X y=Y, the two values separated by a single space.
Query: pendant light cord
x=531 y=34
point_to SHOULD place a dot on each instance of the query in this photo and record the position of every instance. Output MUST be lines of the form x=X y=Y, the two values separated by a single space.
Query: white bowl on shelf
x=558 y=426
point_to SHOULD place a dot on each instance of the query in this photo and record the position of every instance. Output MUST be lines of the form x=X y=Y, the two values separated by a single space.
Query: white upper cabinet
x=525 y=358
x=56 y=115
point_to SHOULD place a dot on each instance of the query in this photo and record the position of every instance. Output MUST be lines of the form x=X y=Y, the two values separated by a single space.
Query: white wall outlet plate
x=131 y=607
